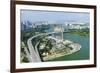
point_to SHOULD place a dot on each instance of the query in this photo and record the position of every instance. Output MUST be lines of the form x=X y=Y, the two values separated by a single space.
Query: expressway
x=34 y=54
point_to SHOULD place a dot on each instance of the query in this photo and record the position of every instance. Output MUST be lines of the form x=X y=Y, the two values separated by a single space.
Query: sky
x=57 y=16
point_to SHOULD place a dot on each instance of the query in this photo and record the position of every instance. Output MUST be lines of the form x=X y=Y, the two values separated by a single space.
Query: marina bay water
x=83 y=54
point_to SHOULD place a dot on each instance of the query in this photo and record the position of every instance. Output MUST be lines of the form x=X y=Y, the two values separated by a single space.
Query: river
x=83 y=54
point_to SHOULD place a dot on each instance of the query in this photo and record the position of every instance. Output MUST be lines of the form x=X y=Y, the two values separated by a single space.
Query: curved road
x=34 y=54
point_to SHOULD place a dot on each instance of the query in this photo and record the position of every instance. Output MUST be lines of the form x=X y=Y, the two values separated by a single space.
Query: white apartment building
x=77 y=26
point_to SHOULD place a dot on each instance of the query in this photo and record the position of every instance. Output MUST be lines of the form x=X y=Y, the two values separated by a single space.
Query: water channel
x=83 y=54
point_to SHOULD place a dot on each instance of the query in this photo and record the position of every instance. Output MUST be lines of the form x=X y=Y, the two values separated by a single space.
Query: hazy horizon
x=54 y=16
